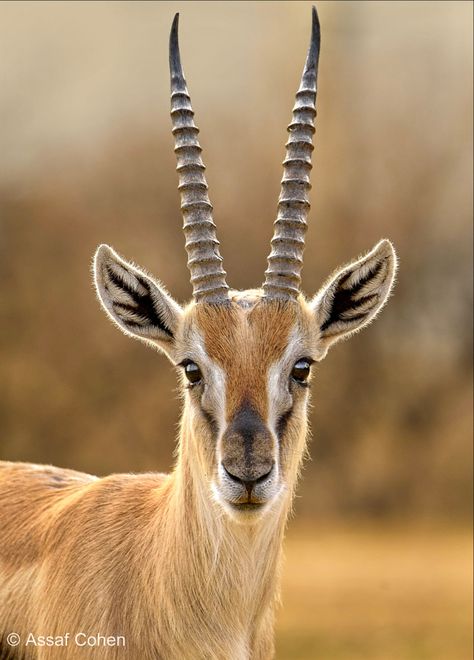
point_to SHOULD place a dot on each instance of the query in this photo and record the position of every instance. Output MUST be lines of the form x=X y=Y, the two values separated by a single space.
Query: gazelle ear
x=134 y=301
x=354 y=295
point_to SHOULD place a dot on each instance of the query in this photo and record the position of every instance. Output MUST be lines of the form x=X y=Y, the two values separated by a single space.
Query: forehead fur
x=245 y=338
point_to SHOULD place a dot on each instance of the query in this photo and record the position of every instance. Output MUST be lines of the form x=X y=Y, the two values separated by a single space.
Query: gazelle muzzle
x=248 y=472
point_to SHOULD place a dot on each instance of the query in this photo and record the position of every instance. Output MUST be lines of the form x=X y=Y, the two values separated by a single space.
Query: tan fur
x=135 y=555
x=150 y=557
x=260 y=335
x=186 y=566
x=181 y=565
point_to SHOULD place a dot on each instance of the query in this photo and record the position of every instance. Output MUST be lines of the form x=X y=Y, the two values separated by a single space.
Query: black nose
x=250 y=480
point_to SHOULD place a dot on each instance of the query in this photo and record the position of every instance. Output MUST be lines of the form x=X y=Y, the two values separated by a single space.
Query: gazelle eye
x=193 y=373
x=301 y=371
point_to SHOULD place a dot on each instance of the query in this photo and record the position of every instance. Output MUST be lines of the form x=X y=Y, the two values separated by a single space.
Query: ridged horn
x=202 y=246
x=283 y=275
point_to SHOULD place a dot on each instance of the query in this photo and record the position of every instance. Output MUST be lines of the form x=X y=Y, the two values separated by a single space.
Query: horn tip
x=315 y=22
x=313 y=53
x=175 y=59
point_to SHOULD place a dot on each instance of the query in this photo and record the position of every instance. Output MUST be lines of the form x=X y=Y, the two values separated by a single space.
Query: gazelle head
x=245 y=358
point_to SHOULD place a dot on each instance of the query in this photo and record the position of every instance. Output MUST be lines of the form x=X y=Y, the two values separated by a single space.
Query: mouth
x=247 y=506
x=246 y=512
x=244 y=506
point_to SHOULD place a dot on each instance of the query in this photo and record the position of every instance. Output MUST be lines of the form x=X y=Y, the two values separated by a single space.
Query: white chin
x=243 y=513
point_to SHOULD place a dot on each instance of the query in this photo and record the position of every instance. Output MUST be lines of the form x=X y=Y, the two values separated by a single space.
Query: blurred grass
x=386 y=592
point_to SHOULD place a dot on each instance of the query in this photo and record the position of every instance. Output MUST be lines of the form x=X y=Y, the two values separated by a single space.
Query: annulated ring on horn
x=285 y=262
x=204 y=259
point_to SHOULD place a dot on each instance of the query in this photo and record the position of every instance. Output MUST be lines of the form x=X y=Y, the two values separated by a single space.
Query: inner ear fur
x=355 y=294
x=138 y=304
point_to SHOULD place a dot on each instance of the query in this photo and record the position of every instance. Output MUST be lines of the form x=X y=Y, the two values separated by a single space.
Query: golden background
x=378 y=556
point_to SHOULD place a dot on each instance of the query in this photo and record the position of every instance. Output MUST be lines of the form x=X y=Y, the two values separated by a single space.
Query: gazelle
x=186 y=565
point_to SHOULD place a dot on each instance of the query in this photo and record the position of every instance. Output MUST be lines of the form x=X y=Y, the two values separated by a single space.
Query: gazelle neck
x=228 y=569
x=197 y=509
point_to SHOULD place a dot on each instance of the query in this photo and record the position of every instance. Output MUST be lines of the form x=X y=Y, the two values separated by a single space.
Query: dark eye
x=193 y=373
x=301 y=370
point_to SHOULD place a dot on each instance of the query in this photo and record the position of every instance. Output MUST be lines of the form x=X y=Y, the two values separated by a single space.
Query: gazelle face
x=245 y=365
x=247 y=368
x=245 y=358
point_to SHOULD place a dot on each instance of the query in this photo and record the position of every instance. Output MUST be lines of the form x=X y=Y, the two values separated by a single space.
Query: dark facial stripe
x=283 y=423
x=210 y=421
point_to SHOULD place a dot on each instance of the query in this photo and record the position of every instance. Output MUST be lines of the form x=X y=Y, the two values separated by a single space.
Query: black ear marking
x=138 y=304
x=137 y=308
x=344 y=307
x=357 y=286
x=354 y=295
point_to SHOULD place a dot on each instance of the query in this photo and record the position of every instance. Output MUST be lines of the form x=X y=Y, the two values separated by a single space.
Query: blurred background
x=379 y=554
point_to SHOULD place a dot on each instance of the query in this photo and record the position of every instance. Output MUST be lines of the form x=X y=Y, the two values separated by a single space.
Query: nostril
x=249 y=483
x=232 y=476
x=263 y=477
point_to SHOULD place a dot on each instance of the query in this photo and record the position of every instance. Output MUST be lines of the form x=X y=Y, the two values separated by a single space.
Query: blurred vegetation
x=87 y=157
